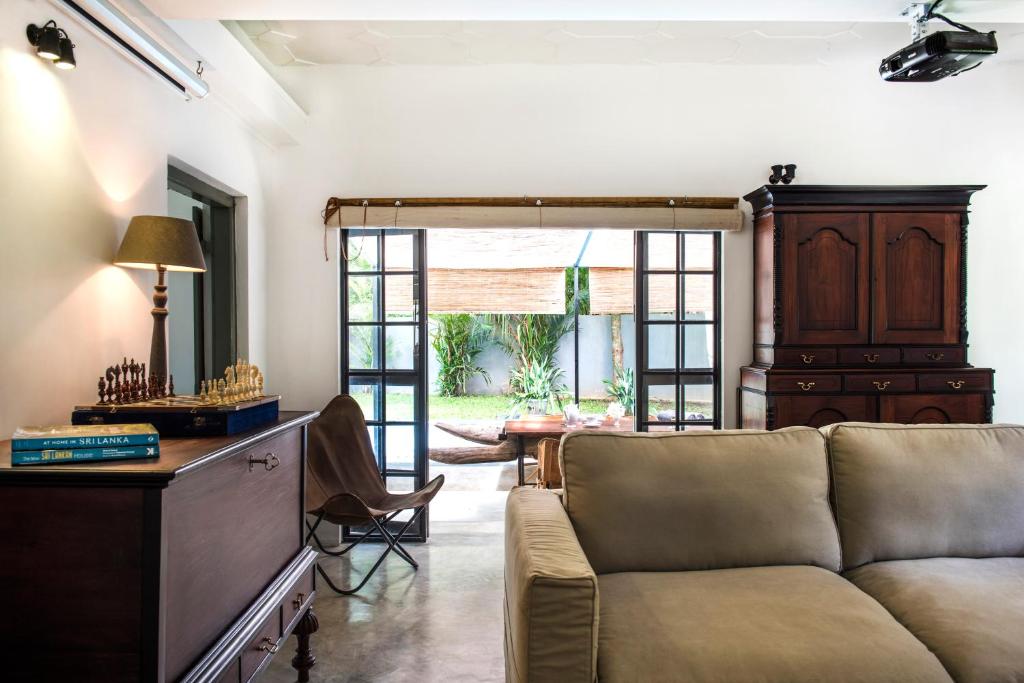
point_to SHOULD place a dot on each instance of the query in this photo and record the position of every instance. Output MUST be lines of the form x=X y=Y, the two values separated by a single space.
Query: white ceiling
x=382 y=43
x=1001 y=11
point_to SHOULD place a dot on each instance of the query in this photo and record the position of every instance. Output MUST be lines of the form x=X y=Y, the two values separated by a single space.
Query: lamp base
x=158 y=346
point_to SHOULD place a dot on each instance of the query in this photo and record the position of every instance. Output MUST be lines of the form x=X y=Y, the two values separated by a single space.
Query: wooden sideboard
x=860 y=308
x=191 y=567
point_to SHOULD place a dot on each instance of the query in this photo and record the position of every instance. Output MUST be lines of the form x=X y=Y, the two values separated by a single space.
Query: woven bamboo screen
x=514 y=290
x=611 y=291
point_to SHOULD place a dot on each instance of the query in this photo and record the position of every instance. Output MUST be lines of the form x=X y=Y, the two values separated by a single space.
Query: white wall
x=81 y=152
x=600 y=130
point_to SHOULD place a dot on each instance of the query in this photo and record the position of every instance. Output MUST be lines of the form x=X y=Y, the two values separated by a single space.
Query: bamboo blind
x=513 y=290
x=611 y=291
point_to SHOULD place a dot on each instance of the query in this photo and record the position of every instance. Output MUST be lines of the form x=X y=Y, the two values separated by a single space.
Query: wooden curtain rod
x=334 y=203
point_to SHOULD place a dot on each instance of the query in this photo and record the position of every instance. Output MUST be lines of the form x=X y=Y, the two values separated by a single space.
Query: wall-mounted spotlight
x=52 y=43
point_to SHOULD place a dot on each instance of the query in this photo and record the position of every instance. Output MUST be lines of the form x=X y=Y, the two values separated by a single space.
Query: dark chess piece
x=117 y=384
x=143 y=388
x=170 y=386
x=110 y=385
x=102 y=387
x=124 y=368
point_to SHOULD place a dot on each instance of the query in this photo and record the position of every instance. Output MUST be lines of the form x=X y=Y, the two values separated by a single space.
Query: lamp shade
x=153 y=241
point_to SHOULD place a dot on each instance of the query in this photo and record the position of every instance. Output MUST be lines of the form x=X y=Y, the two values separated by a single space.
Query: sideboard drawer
x=233 y=530
x=262 y=646
x=869 y=355
x=295 y=603
x=805 y=383
x=955 y=381
x=880 y=383
x=805 y=357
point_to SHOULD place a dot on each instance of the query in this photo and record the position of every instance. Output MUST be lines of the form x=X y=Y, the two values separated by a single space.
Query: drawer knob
x=871 y=357
x=268 y=645
x=299 y=599
x=269 y=461
x=882 y=386
x=935 y=356
x=806 y=386
x=956 y=384
x=808 y=358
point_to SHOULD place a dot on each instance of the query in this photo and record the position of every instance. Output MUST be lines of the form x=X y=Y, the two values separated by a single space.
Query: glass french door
x=678 y=332
x=383 y=334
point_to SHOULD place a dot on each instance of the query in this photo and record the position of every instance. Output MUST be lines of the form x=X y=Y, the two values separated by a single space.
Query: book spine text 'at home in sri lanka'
x=57 y=456
x=76 y=442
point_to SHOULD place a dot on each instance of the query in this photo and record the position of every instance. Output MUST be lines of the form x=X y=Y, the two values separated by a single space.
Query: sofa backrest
x=700 y=500
x=915 y=491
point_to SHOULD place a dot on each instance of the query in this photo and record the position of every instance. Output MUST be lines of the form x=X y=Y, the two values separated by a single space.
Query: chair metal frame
x=393 y=541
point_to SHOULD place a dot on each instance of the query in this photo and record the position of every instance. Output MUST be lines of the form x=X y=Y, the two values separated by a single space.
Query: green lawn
x=485 y=407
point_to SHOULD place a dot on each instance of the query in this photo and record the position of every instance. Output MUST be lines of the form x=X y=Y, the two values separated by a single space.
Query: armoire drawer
x=805 y=357
x=262 y=646
x=239 y=517
x=868 y=356
x=880 y=383
x=955 y=381
x=925 y=356
x=813 y=384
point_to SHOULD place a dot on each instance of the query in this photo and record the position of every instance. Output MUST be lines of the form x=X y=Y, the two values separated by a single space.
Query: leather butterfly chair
x=344 y=486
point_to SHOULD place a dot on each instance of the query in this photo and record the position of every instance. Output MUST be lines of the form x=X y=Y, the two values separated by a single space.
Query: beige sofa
x=860 y=552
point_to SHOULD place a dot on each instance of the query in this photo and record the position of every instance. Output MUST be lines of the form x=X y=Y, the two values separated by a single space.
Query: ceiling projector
x=936 y=56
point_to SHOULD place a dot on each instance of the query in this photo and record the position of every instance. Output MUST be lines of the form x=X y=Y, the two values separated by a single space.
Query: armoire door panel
x=933 y=409
x=825 y=269
x=818 y=411
x=917 y=278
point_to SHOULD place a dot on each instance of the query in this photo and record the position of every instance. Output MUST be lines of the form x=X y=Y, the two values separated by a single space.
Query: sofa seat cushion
x=765 y=624
x=969 y=612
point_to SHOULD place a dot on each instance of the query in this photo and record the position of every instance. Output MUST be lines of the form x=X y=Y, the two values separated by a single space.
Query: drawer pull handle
x=935 y=356
x=268 y=645
x=808 y=358
x=806 y=386
x=269 y=462
x=882 y=386
x=958 y=384
x=299 y=598
x=871 y=357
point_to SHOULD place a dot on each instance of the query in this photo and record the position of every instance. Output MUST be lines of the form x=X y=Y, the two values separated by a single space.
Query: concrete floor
x=440 y=623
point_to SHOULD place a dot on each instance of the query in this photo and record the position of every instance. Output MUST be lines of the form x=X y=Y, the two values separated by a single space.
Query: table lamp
x=160 y=243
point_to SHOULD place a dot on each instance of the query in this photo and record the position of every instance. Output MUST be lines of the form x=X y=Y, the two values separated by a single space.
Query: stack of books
x=64 y=444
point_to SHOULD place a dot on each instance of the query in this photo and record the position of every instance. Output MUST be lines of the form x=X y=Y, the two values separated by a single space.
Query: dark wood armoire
x=860 y=308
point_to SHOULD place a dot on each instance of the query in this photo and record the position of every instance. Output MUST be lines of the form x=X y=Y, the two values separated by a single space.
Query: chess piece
x=212 y=394
x=143 y=383
x=110 y=384
x=202 y=391
x=170 y=385
x=117 y=384
x=259 y=384
x=101 y=385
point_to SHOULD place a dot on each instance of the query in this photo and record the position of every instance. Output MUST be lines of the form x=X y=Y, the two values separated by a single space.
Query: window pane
x=366 y=392
x=661 y=297
x=400 y=403
x=400 y=347
x=364 y=347
x=698 y=347
x=661 y=347
x=661 y=399
x=361 y=251
x=699 y=399
x=375 y=432
x=699 y=251
x=399 y=297
x=398 y=250
x=364 y=298
x=401 y=444
x=661 y=251
x=699 y=297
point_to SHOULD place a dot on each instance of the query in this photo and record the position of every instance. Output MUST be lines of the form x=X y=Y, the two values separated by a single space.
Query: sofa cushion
x=700 y=500
x=907 y=492
x=758 y=624
x=969 y=612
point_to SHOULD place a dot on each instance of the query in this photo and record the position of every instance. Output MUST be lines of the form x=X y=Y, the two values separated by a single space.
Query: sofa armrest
x=551 y=601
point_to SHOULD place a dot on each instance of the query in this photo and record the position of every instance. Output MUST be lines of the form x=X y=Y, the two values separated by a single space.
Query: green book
x=70 y=455
x=83 y=436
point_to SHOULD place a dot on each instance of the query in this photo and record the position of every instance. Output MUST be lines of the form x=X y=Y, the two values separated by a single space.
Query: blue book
x=58 y=456
x=83 y=436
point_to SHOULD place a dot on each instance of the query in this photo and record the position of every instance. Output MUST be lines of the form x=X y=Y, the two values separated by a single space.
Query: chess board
x=175 y=416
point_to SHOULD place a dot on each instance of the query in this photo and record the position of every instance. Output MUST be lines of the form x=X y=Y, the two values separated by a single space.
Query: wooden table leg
x=304 y=659
x=521 y=458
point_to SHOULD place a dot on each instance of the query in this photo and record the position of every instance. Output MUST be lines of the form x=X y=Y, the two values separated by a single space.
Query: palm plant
x=457 y=339
x=529 y=338
x=622 y=388
x=537 y=386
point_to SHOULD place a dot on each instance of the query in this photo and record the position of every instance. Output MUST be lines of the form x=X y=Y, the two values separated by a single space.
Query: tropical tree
x=457 y=339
